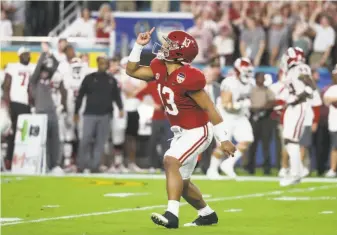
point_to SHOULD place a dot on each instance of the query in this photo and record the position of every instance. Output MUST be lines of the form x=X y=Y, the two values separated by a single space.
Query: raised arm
x=133 y=69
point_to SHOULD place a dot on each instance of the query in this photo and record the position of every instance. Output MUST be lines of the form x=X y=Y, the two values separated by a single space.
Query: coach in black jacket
x=101 y=90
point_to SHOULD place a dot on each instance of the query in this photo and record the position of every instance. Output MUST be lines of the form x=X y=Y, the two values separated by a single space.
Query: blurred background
x=225 y=30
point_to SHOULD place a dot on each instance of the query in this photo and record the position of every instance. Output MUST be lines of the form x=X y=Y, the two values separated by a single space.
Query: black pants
x=15 y=110
x=322 y=146
x=262 y=130
x=160 y=136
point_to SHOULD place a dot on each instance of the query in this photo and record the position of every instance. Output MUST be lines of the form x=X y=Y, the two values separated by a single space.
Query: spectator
x=208 y=16
x=324 y=39
x=203 y=36
x=330 y=99
x=252 y=41
x=84 y=27
x=105 y=22
x=101 y=90
x=16 y=11
x=277 y=40
x=225 y=45
x=300 y=37
x=59 y=53
x=262 y=99
x=5 y=28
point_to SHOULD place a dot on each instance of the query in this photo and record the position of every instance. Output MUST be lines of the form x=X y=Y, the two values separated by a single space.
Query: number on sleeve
x=170 y=106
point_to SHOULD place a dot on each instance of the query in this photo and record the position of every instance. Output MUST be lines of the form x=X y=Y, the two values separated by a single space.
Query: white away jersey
x=332 y=92
x=20 y=79
x=239 y=90
x=294 y=85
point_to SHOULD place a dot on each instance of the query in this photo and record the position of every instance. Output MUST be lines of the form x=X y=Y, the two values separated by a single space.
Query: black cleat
x=167 y=220
x=204 y=220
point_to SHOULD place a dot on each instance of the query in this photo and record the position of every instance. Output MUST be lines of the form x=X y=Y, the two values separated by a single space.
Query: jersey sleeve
x=155 y=65
x=195 y=80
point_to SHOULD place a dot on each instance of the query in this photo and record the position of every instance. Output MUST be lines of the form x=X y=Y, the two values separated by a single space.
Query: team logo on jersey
x=180 y=77
x=157 y=76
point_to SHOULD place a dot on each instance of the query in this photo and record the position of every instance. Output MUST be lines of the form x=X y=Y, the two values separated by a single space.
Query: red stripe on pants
x=195 y=146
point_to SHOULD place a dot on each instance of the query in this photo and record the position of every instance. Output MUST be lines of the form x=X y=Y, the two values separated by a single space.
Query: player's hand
x=121 y=114
x=228 y=148
x=314 y=127
x=76 y=118
x=144 y=38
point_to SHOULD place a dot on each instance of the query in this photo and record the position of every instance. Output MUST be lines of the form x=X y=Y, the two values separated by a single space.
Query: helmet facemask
x=162 y=51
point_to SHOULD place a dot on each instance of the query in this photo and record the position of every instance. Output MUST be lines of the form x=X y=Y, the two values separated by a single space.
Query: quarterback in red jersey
x=191 y=114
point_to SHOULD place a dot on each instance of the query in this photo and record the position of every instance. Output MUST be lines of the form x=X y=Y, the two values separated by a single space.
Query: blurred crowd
x=259 y=30
x=263 y=30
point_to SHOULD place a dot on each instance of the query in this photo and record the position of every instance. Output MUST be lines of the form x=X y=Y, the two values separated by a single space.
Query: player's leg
x=243 y=134
x=118 y=140
x=217 y=155
x=179 y=163
x=131 y=140
x=206 y=215
x=333 y=156
x=293 y=123
x=305 y=143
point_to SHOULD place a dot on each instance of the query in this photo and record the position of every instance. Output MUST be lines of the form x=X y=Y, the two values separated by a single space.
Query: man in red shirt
x=160 y=126
x=190 y=112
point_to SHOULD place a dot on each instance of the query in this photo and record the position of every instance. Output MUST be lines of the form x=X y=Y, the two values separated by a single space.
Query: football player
x=330 y=99
x=301 y=87
x=190 y=112
x=71 y=73
x=234 y=108
x=16 y=92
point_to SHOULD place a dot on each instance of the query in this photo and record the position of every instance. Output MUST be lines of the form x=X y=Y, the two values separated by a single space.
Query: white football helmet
x=244 y=69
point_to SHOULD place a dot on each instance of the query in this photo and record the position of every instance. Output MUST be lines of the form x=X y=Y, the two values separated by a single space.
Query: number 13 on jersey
x=167 y=98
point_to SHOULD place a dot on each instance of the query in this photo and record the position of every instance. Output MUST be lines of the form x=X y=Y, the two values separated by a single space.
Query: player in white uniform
x=234 y=108
x=71 y=72
x=5 y=124
x=301 y=87
x=330 y=99
x=16 y=92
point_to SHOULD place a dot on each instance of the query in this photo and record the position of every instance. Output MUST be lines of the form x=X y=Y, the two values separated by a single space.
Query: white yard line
x=194 y=177
x=255 y=195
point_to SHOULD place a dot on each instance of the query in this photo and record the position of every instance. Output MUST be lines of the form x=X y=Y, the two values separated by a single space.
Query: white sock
x=173 y=207
x=205 y=211
x=295 y=159
x=237 y=156
x=215 y=163
x=118 y=159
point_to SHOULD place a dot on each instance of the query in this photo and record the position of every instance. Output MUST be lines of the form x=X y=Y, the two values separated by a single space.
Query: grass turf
x=261 y=214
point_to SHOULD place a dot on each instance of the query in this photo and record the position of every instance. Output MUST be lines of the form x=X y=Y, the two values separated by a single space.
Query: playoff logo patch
x=180 y=77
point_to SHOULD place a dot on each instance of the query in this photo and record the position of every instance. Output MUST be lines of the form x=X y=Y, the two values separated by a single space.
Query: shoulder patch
x=181 y=77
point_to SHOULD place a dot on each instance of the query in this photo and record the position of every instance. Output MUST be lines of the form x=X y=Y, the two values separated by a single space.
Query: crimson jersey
x=173 y=90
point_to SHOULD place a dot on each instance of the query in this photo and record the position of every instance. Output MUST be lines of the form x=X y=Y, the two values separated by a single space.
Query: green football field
x=112 y=206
